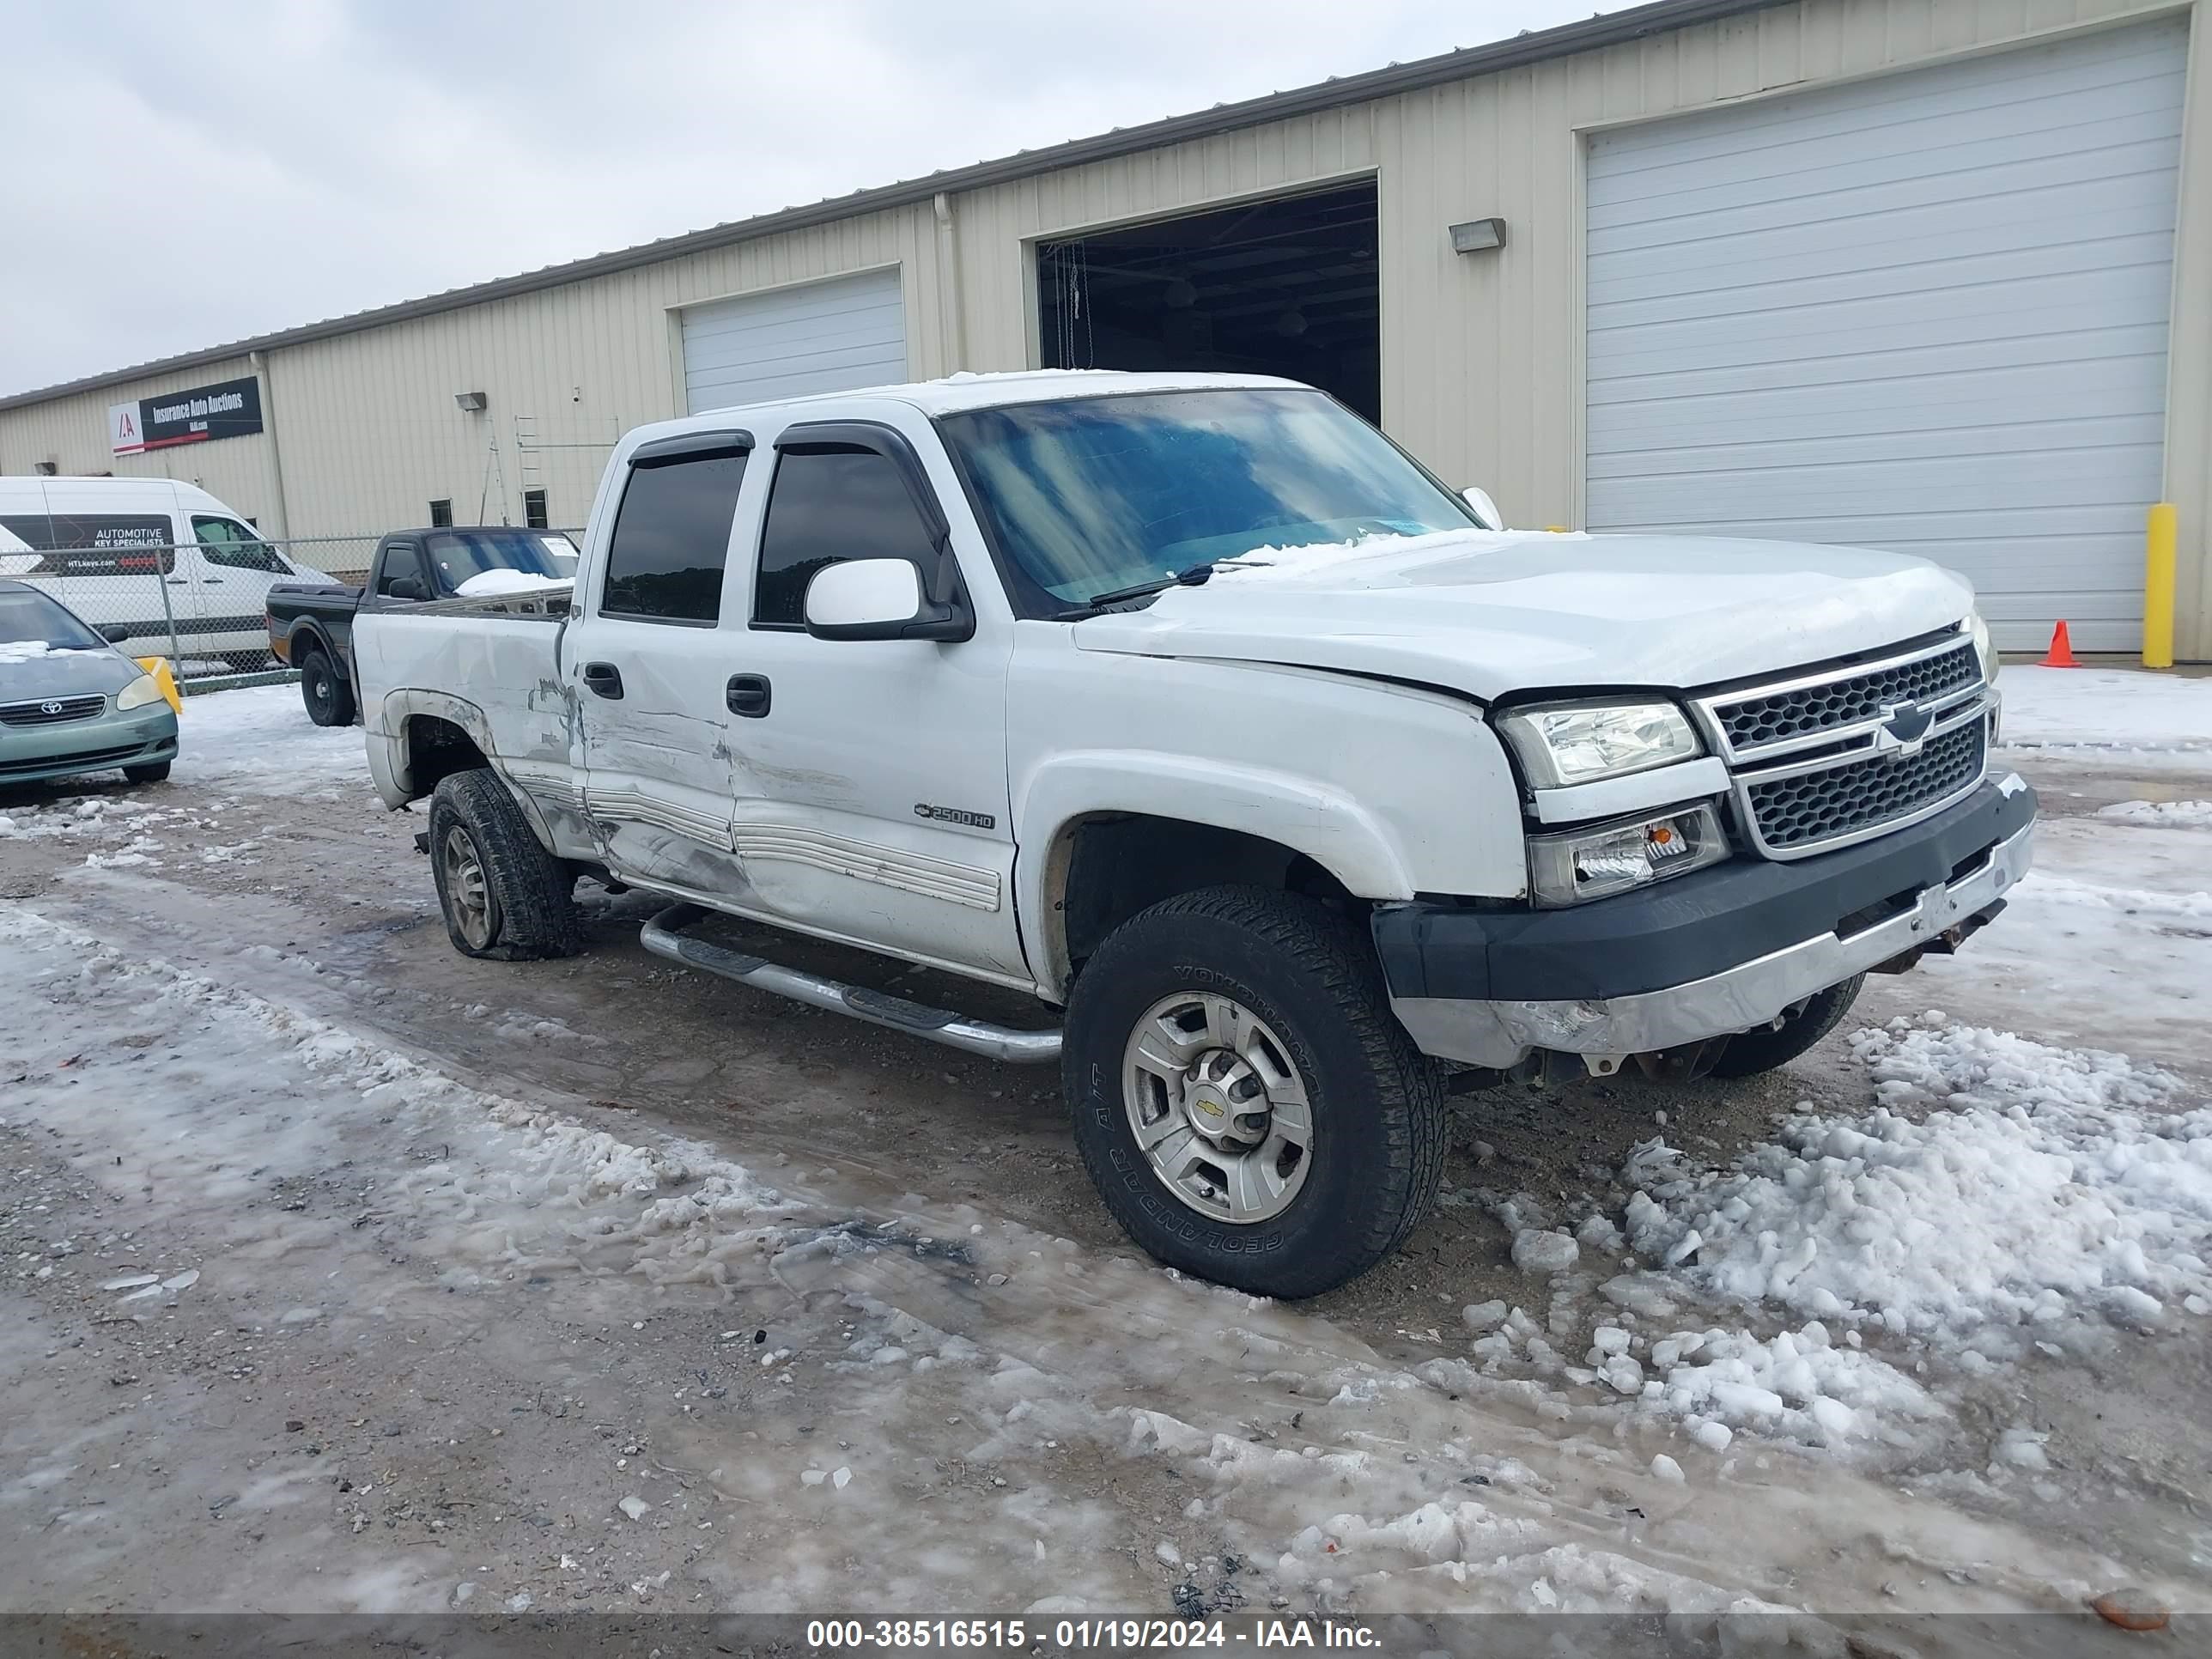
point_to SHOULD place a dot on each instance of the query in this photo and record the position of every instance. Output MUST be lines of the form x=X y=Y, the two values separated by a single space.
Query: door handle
x=179 y=581
x=747 y=694
x=210 y=579
x=604 y=678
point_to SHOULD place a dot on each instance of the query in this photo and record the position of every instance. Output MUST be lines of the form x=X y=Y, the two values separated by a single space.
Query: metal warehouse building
x=1933 y=275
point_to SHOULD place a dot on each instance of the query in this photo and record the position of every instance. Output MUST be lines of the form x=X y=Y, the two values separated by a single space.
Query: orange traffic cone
x=2061 y=654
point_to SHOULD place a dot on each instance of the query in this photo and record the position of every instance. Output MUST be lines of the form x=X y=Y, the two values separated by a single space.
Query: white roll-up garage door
x=1925 y=312
x=819 y=337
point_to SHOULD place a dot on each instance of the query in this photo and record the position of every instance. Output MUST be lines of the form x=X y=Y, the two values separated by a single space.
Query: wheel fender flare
x=1300 y=812
x=391 y=765
x=306 y=636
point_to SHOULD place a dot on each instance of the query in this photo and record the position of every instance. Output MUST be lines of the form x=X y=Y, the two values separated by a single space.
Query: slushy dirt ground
x=339 y=1273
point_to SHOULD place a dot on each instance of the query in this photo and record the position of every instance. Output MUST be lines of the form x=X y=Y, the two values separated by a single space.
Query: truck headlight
x=1983 y=649
x=1574 y=742
x=140 y=692
x=1590 y=864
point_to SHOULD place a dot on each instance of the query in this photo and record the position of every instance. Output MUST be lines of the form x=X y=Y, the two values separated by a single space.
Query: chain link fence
x=203 y=605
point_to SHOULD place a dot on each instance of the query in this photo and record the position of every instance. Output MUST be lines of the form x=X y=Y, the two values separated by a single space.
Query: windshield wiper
x=1196 y=576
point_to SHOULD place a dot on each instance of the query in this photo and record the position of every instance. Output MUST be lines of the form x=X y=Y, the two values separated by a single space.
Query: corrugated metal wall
x=369 y=431
x=73 y=433
x=1482 y=355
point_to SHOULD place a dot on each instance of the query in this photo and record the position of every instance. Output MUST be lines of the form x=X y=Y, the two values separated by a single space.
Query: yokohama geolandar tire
x=504 y=895
x=1247 y=1107
x=1750 y=1053
x=323 y=690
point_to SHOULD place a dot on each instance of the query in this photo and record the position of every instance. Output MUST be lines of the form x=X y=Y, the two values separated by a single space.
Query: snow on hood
x=1490 y=612
x=32 y=668
x=485 y=583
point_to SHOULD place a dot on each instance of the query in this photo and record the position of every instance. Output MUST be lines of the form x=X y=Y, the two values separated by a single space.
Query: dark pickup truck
x=312 y=628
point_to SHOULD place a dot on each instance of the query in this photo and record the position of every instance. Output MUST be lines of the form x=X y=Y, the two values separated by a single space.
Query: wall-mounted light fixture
x=471 y=401
x=1478 y=235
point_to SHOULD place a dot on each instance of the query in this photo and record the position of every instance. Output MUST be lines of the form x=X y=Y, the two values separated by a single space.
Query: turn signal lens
x=1591 y=864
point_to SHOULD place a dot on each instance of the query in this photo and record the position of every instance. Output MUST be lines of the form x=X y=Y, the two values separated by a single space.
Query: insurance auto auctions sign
x=231 y=409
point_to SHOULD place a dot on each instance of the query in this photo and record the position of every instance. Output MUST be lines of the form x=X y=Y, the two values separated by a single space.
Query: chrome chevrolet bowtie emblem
x=1903 y=730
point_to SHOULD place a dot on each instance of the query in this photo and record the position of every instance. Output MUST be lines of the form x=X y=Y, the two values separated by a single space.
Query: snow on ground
x=504 y=1160
x=2173 y=814
x=260 y=740
x=121 y=828
x=257 y=741
x=955 y=1373
x=2107 y=713
x=2106 y=943
x=1822 y=1299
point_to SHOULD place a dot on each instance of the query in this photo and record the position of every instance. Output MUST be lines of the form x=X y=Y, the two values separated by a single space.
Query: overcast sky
x=183 y=176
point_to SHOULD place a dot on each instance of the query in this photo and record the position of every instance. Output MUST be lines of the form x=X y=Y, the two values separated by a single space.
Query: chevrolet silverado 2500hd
x=1193 y=706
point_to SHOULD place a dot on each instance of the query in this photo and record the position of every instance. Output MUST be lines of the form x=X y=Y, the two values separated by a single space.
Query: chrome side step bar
x=664 y=937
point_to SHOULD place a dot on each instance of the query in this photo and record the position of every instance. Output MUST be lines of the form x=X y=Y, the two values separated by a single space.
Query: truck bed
x=407 y=656
x=325 y=611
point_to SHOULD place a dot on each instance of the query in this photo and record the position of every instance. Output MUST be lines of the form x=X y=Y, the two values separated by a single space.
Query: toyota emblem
x=50 y=708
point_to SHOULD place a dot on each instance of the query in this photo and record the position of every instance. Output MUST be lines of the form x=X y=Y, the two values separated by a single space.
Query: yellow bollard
x=2159 y=540
x=166 y=678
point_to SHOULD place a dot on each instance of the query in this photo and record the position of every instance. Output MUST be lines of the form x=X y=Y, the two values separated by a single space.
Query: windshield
x=457 y=555
x=1091 y=495
x=28 y=618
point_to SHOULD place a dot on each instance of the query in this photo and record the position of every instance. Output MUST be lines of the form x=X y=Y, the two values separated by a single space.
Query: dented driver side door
x=645 y=666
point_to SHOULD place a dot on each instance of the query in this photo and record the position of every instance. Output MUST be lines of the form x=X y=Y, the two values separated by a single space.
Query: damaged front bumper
x=1708 y=954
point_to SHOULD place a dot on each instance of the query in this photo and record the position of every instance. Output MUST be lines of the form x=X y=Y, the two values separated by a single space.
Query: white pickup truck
x=1194 y=707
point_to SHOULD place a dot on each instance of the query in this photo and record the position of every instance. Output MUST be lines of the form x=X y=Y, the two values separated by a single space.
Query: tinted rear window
x=671 y=540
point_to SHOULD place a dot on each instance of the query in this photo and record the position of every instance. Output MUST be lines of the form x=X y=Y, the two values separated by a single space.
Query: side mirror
x=114 y=633
x=880 y=599
x=406 y=588
x=1485 y=509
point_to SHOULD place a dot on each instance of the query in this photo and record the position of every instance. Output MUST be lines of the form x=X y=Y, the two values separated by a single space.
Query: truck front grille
x=51 y=711
x=1801 y=813
x=1829 y=756
x=1756 y=720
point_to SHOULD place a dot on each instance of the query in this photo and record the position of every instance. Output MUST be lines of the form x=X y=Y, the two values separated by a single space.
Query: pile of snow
x=2095 y=712
x=2002 y=1186
x=2172 y=814
x=2004 y=1193
x=259 y=739
x=123 y=822
x=137 y=850
x=94 y=815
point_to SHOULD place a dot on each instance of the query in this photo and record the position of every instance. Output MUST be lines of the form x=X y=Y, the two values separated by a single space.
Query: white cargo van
x=113 y=549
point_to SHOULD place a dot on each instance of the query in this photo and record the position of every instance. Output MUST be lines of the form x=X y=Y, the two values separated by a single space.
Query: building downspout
x=951 y=311
x=259 y=362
